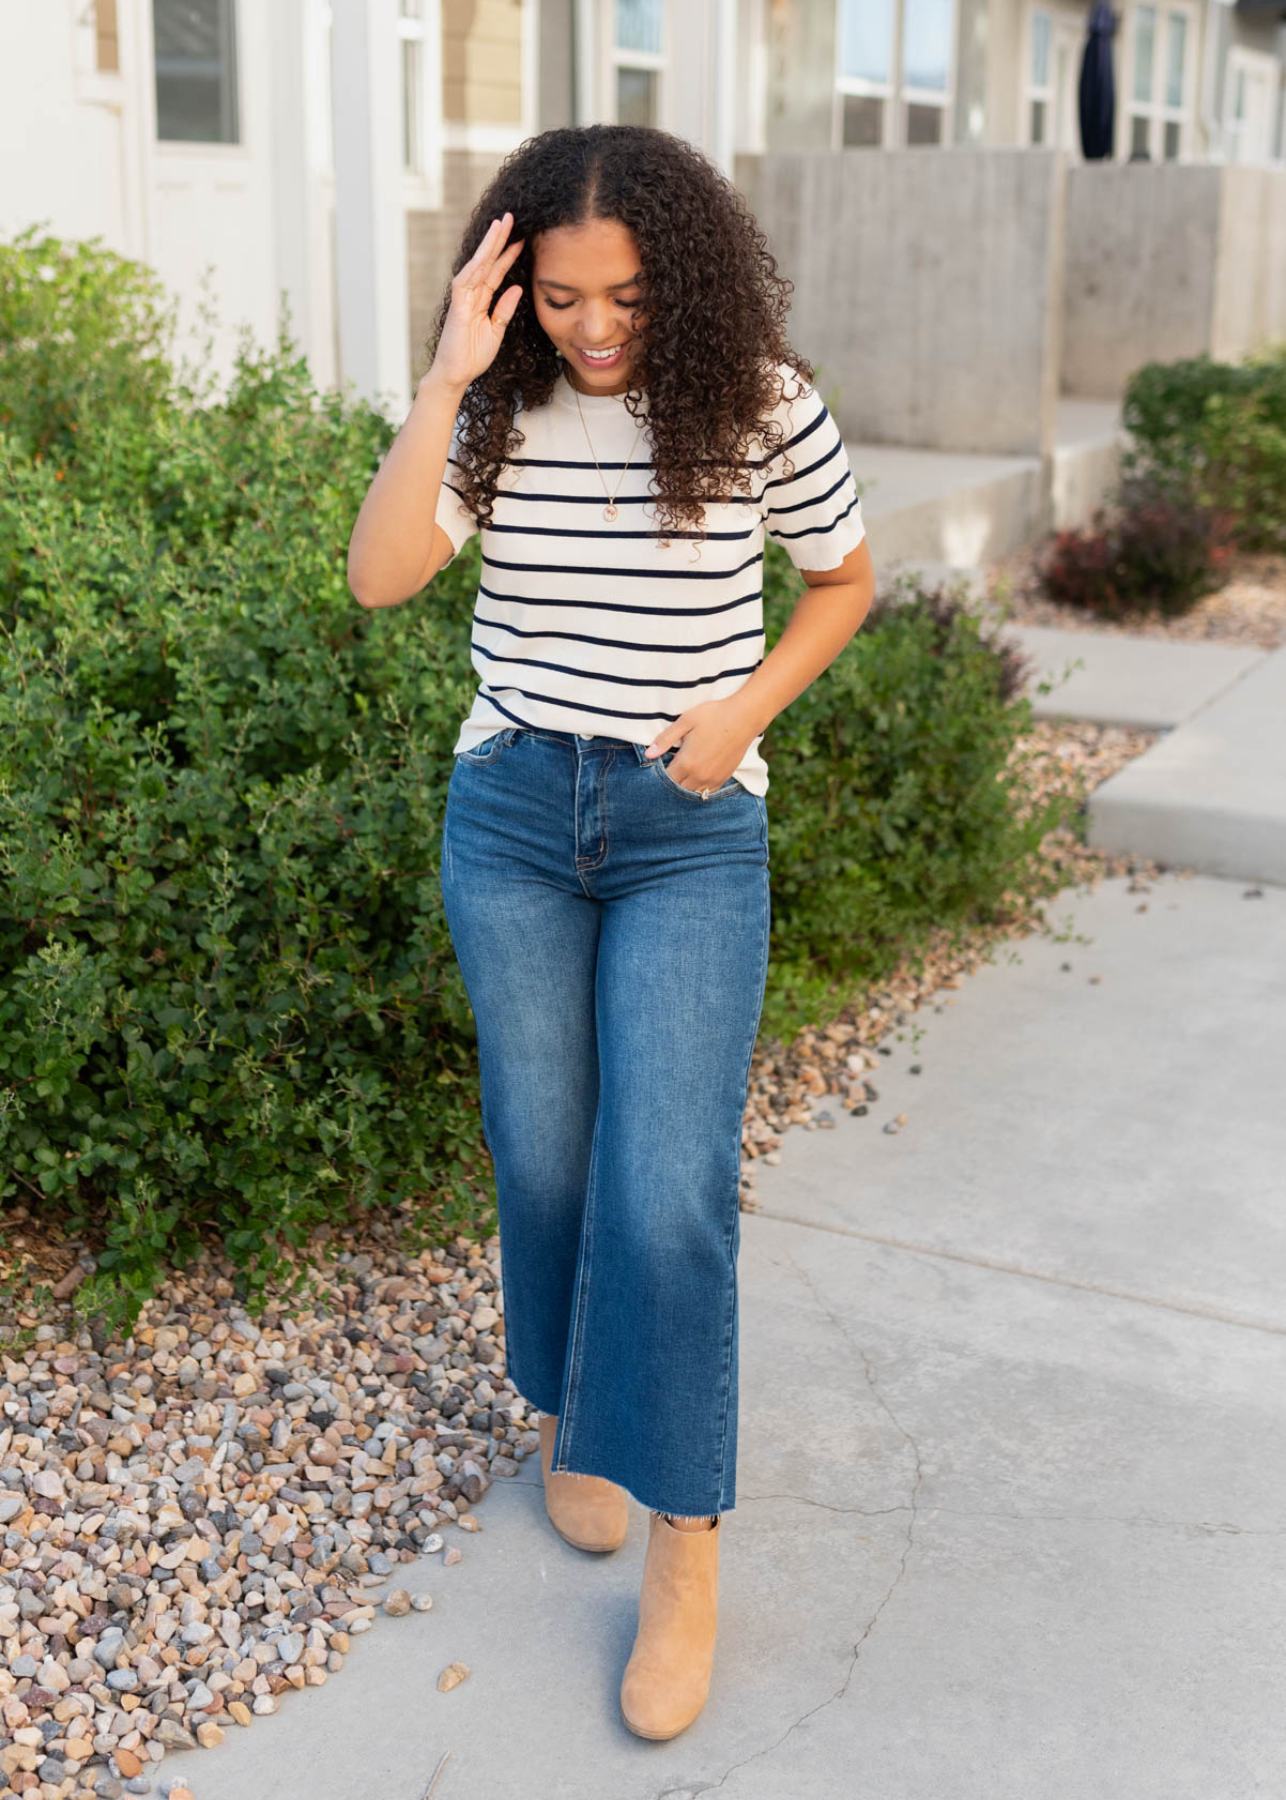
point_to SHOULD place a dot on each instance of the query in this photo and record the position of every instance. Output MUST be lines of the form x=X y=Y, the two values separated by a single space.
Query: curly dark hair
x=713 y=298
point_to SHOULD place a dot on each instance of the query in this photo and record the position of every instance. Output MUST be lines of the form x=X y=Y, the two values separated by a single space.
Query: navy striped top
x=595 y=625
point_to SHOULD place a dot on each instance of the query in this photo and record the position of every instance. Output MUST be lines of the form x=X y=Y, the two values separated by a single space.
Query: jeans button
x=584 y=736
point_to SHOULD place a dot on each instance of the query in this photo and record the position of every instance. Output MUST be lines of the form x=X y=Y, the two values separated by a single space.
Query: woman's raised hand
x=472 y=334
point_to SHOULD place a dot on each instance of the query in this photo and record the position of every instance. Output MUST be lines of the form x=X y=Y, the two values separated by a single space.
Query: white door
x=1250 y=92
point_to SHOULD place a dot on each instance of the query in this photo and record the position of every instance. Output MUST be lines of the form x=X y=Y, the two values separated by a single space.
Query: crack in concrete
x=867 y=1512
x=1143 y=1519
x=1106 y=1290
x=690 y=1792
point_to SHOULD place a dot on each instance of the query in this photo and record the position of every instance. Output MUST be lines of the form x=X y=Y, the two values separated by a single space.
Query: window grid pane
x=638 y=25
x=196 y=87
x=926 y=43
x=1040 y=29
x=1176 y=44
x=1144 y=37
x=923 y=123
x=866 y=40
x=636 y=97
x=411 y=105
x=863 y=120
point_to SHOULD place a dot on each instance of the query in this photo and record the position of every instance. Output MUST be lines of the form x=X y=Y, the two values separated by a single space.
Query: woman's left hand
x=715 y=737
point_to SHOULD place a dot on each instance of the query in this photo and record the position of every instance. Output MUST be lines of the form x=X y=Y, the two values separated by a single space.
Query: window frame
x=411 y=30
x=1158 y=112
x=897 y=96
x=655 y=62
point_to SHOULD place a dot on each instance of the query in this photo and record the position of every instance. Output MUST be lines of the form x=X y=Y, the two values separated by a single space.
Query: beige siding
x=108 y=48
x=432 y=239
x=482 y=61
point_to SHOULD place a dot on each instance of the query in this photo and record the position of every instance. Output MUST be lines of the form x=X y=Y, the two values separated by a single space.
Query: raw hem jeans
x=612 y=932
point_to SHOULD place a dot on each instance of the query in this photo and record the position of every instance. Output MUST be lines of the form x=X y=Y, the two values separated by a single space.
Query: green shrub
x=84 y=337
x=228 y=1000
x=1220 y=428
x=892 y=807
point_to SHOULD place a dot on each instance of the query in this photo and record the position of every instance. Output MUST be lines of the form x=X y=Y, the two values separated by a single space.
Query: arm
x=824 y=620
x=396 y=545
x=822 y=623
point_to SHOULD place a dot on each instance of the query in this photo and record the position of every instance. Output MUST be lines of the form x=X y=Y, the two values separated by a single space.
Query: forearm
x=393 y=533
x=824 y=620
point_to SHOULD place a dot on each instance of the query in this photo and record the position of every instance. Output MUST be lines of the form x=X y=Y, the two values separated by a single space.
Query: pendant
x=609 y=511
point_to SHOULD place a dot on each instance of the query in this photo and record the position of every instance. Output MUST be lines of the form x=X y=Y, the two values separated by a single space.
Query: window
x=1159 y=104
x=926 y=61
x=866 y=35
x=410 y=31
x=638 y=61
x=196 y=71
x=107 y=44
x=1040 y=94
x=895 y=51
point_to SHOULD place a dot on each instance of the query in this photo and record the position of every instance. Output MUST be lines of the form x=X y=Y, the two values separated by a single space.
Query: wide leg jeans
x=611 y=929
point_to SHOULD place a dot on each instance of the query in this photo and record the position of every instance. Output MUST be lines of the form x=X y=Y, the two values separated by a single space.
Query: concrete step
x=1115 y=678
x=960 y=509
x=1211 y=794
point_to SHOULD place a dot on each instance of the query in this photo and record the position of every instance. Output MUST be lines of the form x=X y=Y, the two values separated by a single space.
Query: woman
x=622 y=424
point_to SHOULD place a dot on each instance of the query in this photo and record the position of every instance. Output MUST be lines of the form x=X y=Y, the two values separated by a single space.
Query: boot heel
x=585 y=1510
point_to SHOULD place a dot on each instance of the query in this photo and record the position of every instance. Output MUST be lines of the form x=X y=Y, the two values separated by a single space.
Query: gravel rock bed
x=203 y=1516
x=1250 y=608
x=193 y=1521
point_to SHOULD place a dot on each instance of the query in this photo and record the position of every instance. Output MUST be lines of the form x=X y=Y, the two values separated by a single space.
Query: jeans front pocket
x=661 y=765
x=489 y=749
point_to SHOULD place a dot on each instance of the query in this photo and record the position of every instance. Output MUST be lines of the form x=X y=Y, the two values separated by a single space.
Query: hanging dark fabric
x=1097 y=86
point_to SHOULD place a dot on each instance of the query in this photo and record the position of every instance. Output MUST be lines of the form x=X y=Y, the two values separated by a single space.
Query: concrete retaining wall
x=927 y=287
x=1166 y=260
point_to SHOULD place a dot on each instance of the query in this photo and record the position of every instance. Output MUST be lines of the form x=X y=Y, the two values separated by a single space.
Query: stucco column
x=370 y=218
x=289 y=164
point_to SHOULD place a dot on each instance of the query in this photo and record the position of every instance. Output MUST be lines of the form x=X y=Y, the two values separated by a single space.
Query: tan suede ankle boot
x=668 y=1675
x=589 y=1511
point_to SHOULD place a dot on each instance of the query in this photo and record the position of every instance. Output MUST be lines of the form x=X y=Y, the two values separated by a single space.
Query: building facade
x=331 y=150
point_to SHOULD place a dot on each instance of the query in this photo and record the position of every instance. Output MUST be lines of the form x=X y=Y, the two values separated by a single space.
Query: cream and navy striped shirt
x=594 y=626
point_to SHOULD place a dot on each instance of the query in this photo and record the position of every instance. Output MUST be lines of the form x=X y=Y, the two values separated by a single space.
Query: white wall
x=62 y=137
x=79 y=153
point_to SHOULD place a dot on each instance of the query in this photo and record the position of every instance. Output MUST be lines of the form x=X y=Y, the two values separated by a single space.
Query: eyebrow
x=569 y=289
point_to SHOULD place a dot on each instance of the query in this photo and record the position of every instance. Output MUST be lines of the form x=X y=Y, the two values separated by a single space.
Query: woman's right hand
x=472 y=335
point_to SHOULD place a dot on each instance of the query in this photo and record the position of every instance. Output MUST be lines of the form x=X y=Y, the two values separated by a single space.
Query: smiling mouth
x=601 y=361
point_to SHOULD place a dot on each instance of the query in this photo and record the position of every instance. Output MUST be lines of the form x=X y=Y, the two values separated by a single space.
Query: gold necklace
x=611 y=509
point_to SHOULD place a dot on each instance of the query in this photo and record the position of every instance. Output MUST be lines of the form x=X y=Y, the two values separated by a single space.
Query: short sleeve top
x=589 y=623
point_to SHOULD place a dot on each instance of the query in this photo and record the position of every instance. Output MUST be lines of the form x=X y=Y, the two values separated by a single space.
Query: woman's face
x=585 y=281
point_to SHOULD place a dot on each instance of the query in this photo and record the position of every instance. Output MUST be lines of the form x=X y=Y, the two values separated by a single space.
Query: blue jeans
x=611 y=928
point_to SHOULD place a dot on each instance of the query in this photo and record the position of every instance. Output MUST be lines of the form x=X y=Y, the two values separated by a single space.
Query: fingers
x=490 y=259
x=507 y=305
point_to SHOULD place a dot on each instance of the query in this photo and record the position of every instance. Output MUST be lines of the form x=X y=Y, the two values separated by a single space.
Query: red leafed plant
x=1157 y=550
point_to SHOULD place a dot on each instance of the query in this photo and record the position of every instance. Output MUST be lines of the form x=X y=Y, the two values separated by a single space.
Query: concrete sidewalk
x=1010 y=1513
x=1119 y=678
